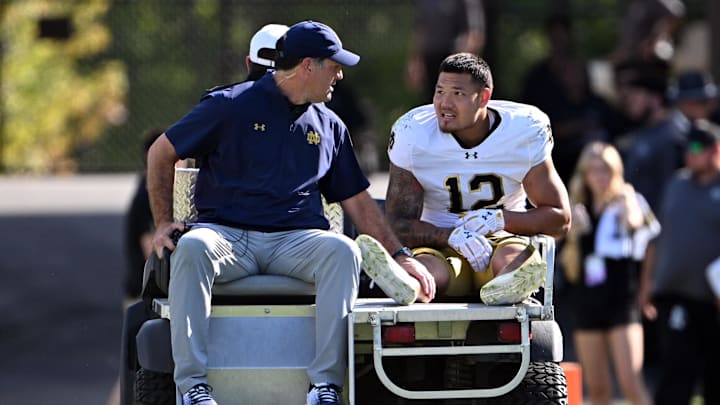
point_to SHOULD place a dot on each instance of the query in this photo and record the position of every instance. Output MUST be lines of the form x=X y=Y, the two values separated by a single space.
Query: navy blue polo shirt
x=265 y=162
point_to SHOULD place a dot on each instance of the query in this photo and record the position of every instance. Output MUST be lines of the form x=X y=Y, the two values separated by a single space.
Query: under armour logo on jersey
x=313 y=138
x=259 y=127
x=391 y=142
x=548 y=129
x=468 y=154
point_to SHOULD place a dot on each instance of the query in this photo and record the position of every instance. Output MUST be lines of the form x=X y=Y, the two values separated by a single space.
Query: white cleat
x=384 y=270
x=516 y=286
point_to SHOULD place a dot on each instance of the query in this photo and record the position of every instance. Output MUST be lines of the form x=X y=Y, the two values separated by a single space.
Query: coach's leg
x=332 y=262
x=453 y=275
x=201 y=256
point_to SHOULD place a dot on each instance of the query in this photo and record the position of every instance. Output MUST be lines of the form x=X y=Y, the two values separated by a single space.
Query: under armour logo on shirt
x=259 y=127
x=468 y=154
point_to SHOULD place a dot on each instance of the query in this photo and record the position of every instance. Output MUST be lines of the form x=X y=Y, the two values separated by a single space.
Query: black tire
x=153 y=388
x=544 y=383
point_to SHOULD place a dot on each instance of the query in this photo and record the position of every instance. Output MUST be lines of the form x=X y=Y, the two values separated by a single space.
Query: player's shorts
x=463 y=280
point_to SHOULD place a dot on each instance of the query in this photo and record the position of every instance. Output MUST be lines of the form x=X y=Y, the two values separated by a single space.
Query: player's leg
x=452 y=275
x=514 y=256
x=518 y=272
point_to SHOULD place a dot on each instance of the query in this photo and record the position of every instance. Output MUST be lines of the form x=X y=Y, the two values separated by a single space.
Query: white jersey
x=489 y=175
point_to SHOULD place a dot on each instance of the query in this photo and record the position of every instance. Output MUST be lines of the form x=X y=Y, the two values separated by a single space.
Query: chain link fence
x=173 y=50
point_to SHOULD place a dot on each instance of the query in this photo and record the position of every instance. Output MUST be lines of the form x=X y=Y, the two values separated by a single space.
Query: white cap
x=265 y=38
x=713 y=276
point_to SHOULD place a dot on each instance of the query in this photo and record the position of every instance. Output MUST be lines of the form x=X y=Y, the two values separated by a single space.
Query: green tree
x=57 y=94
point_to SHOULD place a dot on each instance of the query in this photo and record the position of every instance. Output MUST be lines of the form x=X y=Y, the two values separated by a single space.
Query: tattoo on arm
x=403 y=208
x=403 y=204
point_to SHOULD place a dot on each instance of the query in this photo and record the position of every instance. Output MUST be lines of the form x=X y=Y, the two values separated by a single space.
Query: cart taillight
x=399 y=334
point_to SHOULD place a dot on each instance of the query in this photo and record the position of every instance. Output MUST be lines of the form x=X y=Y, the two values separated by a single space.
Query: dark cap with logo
x=311 y=39
x=693 y=85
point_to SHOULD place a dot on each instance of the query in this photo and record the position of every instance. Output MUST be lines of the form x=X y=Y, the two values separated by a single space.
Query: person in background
x=652 y=152
x=441 y=28
x=601 y=257
x=648 y=30
x=622 y=120
x=261 y=57
x=262 y=50
x=695 y=94
x=675 y=289
x=139 y=227
x=559 y=85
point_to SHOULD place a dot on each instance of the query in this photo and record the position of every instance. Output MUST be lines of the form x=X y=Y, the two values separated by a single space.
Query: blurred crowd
x=642 y=166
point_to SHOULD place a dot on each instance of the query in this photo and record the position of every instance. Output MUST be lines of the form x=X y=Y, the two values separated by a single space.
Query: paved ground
x=60 y=287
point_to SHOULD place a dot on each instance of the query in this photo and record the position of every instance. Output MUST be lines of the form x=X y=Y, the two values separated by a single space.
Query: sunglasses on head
x=695 y=147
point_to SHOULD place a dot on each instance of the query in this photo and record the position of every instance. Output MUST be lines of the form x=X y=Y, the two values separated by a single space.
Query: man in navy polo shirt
x=267 y=151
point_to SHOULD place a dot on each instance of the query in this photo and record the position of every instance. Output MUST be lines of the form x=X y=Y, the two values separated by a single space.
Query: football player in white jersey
x=470 y=179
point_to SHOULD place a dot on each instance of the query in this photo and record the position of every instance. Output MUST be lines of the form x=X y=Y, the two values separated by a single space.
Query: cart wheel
x=544 y=383
x=153 y=388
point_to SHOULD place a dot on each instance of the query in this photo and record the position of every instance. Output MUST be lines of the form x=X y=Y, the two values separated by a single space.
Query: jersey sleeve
x=400 y=145
x=541 y=140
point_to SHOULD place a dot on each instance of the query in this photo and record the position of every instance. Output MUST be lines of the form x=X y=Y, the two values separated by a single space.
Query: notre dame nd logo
x=313 y=138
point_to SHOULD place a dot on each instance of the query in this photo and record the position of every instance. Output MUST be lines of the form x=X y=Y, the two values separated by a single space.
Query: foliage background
x=84 y=103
